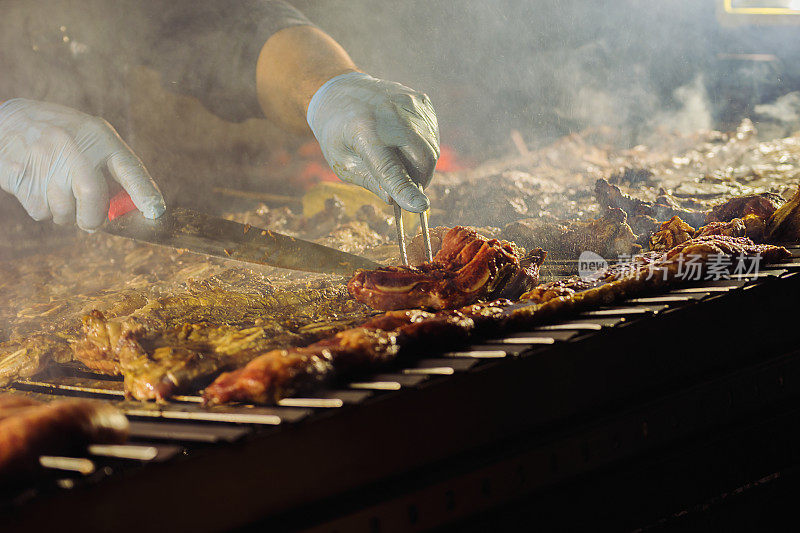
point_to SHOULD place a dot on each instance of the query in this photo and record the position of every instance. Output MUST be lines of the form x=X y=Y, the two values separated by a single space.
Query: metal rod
x=426 y=232
x=123 y=451
x=426 y=235
x=72 y=464
x=401 y=235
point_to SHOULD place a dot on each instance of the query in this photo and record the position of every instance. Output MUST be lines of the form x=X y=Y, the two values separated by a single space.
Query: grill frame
x=537 y=394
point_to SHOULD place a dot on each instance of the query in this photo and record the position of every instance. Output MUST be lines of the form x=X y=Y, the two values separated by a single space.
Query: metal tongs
x=401 y=235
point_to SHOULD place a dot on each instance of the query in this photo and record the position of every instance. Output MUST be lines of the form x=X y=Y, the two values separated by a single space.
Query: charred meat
x=723 y=245
x=467 y=268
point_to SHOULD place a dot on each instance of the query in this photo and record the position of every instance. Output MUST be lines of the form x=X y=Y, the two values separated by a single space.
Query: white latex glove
x=377 y=134
x=52 y=159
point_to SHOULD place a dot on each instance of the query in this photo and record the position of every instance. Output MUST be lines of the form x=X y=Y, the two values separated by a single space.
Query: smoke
x=543 y=68
x=786 y=109
x=548 y=68
x=694 y=112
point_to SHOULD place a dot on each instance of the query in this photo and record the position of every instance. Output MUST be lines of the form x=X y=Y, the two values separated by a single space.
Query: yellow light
x=792 y=9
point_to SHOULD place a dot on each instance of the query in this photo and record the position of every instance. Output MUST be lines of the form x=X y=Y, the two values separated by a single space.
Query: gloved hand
x=377 y=134
x=52 y=159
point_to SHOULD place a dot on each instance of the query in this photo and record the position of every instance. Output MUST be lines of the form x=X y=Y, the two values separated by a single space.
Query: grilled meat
x=31 y=355
x=676 y=231
x=180 y=342
x=662 y=209
x=784 y=224
x=187 y=357
x=648 y=275
x=567 y=287
x=671 y=233
x=29 y=429
x=753 y=209
x=416 y=246
x=608 y=236
x=281 y=373
x=66 y=274
x=724 y=245
x=382 y=339
x=467 y=268
x=762 y=205
x=562 y=288
x=733 y=228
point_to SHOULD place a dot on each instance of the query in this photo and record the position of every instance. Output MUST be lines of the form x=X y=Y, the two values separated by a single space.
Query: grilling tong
x=401 y=235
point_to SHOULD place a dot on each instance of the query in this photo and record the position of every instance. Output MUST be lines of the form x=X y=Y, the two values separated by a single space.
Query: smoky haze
x=545 y=68
x=551 y=67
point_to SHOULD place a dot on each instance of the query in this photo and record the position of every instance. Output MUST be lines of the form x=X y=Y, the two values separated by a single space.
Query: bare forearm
x=293 y=64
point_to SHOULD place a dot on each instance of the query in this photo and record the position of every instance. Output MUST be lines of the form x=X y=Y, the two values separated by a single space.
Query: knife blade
x=205 y=234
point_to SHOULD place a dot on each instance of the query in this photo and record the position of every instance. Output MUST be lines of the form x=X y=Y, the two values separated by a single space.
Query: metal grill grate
x=183 y=428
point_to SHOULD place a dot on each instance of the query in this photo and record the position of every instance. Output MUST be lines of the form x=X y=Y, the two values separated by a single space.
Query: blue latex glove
x=377 y=134
x=52 y=159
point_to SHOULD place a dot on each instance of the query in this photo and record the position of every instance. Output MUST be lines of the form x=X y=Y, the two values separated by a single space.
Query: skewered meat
x=29 y=429
x=784 y=224
x=608 y=236
x=467 y=268
x=671 y=233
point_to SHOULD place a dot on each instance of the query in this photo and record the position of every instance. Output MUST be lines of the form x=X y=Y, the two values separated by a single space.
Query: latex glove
x=377 y=134
x=52 y=159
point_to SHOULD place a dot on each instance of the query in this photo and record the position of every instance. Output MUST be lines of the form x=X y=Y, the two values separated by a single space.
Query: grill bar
x=161 y=432
x=71 y=464
x=175 y=431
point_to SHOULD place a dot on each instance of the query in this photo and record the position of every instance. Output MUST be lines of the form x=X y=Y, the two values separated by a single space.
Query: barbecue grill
x=628 y=415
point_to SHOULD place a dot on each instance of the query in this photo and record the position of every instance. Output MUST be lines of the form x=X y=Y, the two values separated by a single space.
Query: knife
x=205 y=234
